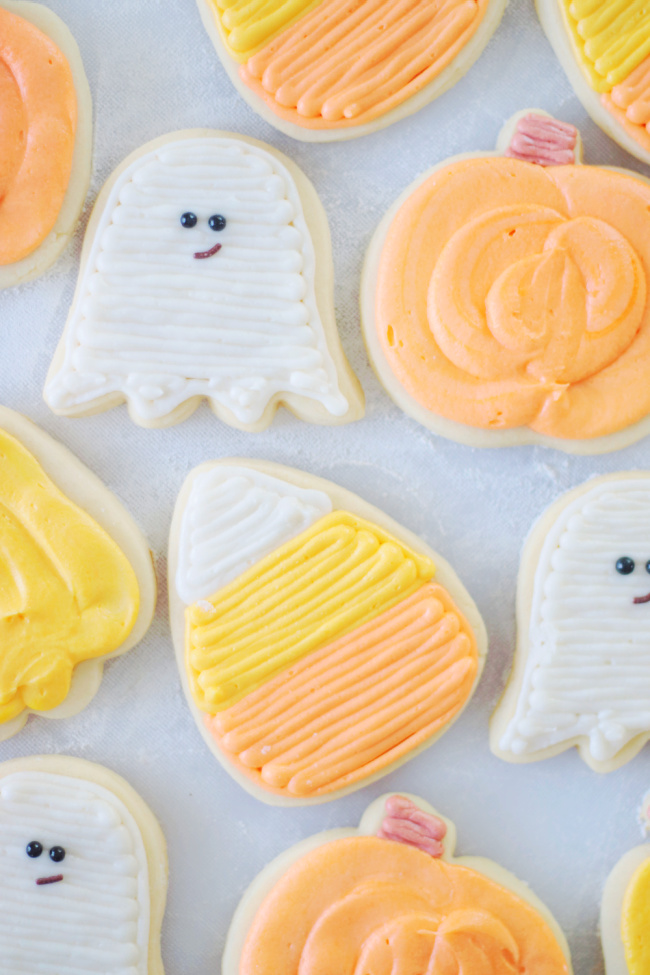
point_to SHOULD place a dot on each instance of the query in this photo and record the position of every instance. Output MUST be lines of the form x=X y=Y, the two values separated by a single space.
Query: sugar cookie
x=76 y=578
x=504 y=296
x=206 y=273
x=320 y=643
x=580 y=675
x=390 y=896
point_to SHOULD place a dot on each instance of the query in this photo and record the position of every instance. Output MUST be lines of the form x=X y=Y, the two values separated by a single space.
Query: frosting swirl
x=509 y=295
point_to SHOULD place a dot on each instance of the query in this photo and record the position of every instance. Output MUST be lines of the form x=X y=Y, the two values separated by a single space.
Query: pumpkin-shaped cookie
x=206 y=273
x=505 y=296
x=76 y=578
x=83 y=871
x=45 y=139
x=604 y=48
x=320 y=643
x=391 y=897
x=333 y=69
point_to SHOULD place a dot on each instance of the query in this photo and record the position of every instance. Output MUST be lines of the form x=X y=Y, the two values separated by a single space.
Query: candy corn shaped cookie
x=76 y=578
x=604 y=47
x=45 y=139
x=333 y=69
x=391 y=896
x=206 y=273
x=320 y=643
x=580 y=675
x=83 y=871
x=505 y=296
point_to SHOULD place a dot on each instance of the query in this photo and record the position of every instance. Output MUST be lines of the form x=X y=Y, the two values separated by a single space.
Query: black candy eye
x=647 y=566
x=34 y=849
x=625 y=565
x=189 y=220
x=217 y=222
x=57 y=853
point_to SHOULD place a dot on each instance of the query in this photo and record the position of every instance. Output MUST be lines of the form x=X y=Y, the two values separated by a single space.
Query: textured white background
x=556 y=824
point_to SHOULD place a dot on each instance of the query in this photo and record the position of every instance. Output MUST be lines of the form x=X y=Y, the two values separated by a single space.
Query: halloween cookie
x=321 y=70
x=320 y=643
x=206 y=273
x=625 y=910
x=391 y=897
x=505 y=296
x=76 y=578
x=604 y=48
x=83 y=871
x=45 y=139
x=581 y=675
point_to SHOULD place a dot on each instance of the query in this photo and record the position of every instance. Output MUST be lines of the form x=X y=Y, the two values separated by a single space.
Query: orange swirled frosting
x=67 y=592
x=337 y=63
x=38 y=119
x=509 y=295
x=368 y=906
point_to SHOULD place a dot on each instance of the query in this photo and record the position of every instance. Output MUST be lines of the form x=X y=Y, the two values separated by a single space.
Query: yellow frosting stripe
x=635 y=922
x=67 y=592
x=247 y=25
x=610 y=38
x=327 y=581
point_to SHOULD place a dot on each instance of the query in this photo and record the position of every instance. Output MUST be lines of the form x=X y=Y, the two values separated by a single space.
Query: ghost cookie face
x=583 y=629
x=206 y=273
x=505 y=296
x=320 y=643
x=321 y=70
x=391 y=897
x=625 y=910
x=76 y=578
x=604 y=50
x=45 y=139
x=83 y=871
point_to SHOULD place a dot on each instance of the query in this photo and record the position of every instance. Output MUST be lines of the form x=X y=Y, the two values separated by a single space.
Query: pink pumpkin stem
x=543 y=140
x=405 y=822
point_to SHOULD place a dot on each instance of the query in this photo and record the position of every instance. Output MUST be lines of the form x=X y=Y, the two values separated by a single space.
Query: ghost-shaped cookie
x=320 y=644
x=206 y=273
x=581 y=674
x=83 y=871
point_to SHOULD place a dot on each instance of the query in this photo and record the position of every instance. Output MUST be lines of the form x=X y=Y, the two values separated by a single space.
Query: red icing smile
x=49 y=880
x=201 y=255
x=642 y=599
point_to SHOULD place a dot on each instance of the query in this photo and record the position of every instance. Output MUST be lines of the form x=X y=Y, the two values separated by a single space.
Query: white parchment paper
x=556 y=824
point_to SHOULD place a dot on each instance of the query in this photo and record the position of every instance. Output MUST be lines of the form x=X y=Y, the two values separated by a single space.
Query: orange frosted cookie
x=391 y=897
x=333 y=69
x=45 y=133
x=76 y=579
x=604 y=48
x=505 y=297
x=320 y=643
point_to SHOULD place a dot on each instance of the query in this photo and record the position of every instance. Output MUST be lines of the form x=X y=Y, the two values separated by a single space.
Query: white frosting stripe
x=235 y=516
x=588 y=665
x=96 y=920
x=161 y=327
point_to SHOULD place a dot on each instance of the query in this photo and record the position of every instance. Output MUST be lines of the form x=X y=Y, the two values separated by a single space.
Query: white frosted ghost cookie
x=83 y=871
x=504 y=296
x=580 y=673
x=77 y=584
x=206 y=273
x=45 y=139
x=604 y=48
x=625 y=910
x=391 y=896
x=320 y=644
x=321 y=70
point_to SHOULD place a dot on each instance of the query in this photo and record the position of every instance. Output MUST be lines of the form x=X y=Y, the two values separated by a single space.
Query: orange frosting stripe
x=629 y=103
x=349 y=709
x=348 y=61
x=368 y=906
x=38 y=118
x=509 y=295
